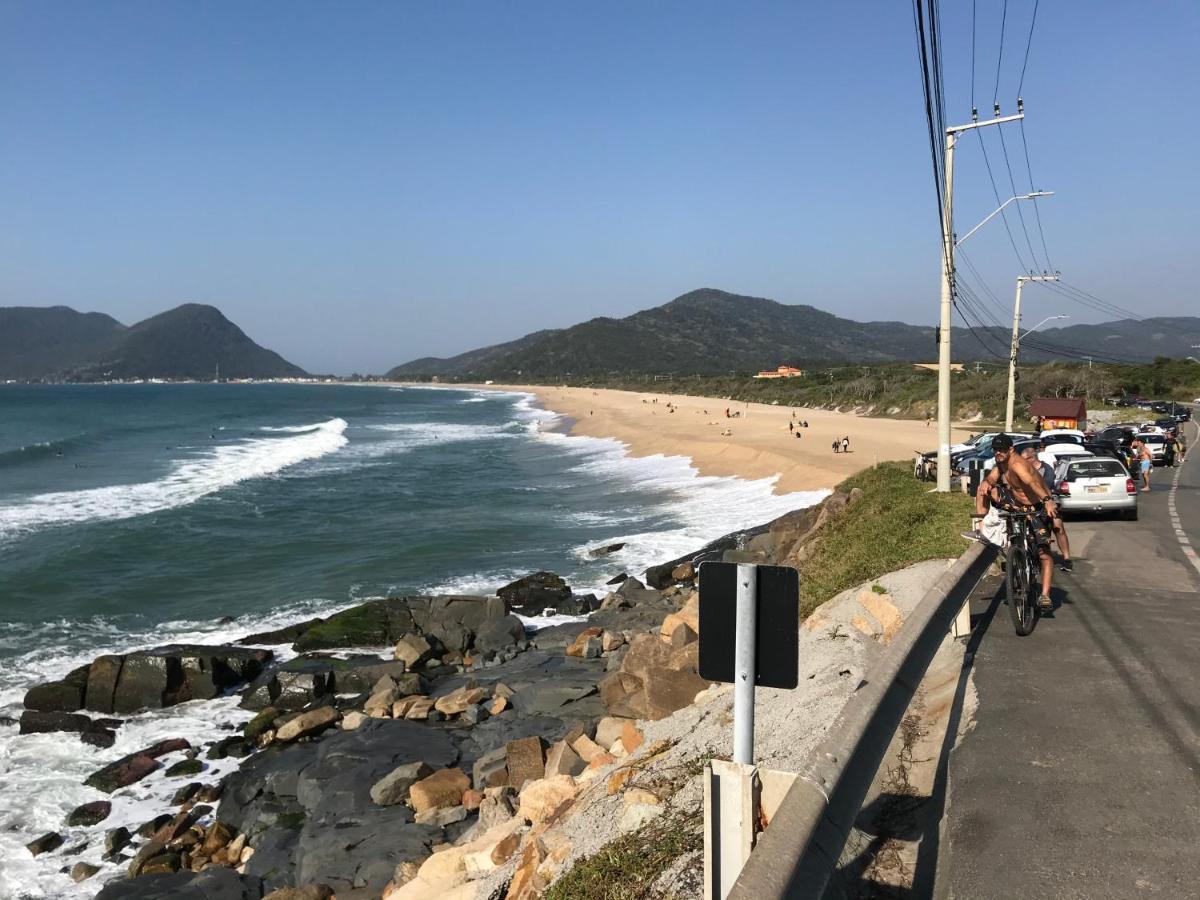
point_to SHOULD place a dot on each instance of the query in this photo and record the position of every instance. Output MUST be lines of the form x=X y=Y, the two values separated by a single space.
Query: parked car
x=1098 y=484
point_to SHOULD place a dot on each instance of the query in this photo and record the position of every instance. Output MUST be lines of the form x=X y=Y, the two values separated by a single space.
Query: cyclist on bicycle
x=1014 y=484
x=1060 y=530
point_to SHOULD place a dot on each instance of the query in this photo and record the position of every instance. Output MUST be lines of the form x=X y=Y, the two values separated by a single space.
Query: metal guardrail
x=798 y=853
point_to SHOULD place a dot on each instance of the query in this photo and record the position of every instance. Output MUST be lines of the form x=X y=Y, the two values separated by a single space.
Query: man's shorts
x=1043 y=528
x=1145 y=465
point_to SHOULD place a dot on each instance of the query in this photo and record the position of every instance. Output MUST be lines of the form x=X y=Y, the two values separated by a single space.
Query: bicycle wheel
x=1017 y=584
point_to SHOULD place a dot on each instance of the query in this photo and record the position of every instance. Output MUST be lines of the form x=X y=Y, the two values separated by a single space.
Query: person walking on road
x=1060 y=530
x=1145 y=461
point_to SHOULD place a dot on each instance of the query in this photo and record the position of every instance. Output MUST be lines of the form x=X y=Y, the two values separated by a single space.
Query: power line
x=1028 y=44
x=996 y=192
x=1013 y=184
x=1000 y=55
x=1037 y=213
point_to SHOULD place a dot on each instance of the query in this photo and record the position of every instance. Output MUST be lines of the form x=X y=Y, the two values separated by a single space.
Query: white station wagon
x=1095 y=484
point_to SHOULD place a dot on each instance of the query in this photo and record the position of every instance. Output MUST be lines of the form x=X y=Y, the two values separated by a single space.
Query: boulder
x=451 y=620
x=608 y=550
x=66 y=695
x=186 y=793
x=125 y=771
x=116 y=840
x=89 y=814
x=608 y=730
x=393 y=788
x=285 y=635
x=146 y=852
x=683 y=572
x=578 y=605
x=420 y=708
x=611 y=640
x=308 y=723
x=499 y=805
x=535 y=592
x=688 y=614
x=525 y=761
x=682 y=635
x=47 y=843
x=562 y=760
x=441 y=790
x=82 y=871
x=500 y=634
x=440 y=818
x=413 y=650
x=458 y=700
x=586 y=644
x=645 y=652
x=587 y=749
x=491 y=769
x=666 y=690
x=542 y=798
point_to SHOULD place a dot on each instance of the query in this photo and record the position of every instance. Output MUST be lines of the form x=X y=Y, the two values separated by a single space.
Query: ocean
x=138 y=515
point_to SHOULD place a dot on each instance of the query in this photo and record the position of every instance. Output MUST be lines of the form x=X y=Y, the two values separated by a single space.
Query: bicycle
x=1022 y=571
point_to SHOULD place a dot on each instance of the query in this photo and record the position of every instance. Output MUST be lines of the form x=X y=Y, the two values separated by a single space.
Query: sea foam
x=188 y=480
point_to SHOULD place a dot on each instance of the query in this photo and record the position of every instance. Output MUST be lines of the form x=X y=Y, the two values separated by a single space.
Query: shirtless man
x=1060 y=530
x=1025 y=487
x=1145 y=461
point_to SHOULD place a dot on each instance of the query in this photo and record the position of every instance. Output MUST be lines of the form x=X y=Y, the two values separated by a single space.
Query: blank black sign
x=776 y=645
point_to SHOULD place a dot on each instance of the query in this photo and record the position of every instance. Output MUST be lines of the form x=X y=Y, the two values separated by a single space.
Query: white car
x=1155 y=443
x=1048 y=436
x=1098 y=484
x=1053 y=454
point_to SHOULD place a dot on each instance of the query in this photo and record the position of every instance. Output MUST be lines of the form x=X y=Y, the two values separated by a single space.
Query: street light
x=1017 y=337
x=1030 y=196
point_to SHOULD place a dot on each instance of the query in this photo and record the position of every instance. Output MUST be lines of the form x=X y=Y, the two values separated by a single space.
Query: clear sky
x=358 y=184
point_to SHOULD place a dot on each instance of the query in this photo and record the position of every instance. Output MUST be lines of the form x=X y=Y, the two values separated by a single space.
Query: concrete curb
x=798 y=853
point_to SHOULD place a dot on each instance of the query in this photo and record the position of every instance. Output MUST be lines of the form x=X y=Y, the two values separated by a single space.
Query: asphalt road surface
x=1080 y=777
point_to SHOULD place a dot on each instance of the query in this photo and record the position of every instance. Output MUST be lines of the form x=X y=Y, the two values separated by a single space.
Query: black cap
x=1002 y=442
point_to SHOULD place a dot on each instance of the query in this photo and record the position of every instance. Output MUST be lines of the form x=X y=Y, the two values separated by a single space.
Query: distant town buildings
x=781 y=372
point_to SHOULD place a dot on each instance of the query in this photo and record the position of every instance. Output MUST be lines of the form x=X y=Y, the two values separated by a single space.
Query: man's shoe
x=1045 y=604
x=1067 y=566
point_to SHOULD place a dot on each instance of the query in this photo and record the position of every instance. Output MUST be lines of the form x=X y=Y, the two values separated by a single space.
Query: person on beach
x=791 y=427
x=805 y=423
x=846 y=444
x=799 y=434
x=1145 y=461
x=837 y=445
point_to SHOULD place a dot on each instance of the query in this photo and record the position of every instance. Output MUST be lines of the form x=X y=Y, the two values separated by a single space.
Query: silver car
x=1095 y=484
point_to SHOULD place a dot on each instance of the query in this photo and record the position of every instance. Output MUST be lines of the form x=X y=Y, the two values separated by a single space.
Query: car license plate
x=1098 y=489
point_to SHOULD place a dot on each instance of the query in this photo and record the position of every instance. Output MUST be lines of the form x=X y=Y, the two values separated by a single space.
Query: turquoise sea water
x=134 y=515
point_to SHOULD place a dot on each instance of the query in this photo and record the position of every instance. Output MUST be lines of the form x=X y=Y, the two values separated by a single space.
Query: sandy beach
x=758 y=443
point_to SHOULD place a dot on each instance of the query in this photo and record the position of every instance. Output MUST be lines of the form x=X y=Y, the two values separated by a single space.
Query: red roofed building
x=1059 y=412
x=781 y=372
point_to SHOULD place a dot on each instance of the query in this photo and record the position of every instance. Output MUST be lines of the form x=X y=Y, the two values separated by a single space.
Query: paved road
x=1081 y=775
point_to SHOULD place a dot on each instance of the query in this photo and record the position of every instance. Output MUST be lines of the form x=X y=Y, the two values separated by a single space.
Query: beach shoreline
x=759 y=444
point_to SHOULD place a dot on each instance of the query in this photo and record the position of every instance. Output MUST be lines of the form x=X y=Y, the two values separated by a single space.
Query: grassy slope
x=896 y=523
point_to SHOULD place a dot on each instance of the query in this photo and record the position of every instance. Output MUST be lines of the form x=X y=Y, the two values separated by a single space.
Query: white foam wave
x=188 y=481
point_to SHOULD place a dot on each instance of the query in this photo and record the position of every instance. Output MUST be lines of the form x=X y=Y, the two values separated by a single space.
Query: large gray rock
x=66 y=695
x=500 y=634
x=535 y=592
x=453 y=620
x=217 y=883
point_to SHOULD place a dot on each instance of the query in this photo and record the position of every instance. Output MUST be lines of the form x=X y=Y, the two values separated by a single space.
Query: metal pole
x=744 y=664
x=943 y=467
x=1012 y=355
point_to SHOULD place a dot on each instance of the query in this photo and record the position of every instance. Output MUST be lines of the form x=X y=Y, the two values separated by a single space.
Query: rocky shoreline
x=414 y=747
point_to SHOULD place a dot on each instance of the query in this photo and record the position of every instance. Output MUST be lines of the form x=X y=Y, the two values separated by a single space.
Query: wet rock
x=261 y=723
x=123 y=772
x=163 y=862
x=535 y=592
x=186 y=793
x=89 y=814
x=452 y=620
x=99 y=737
x=616 y=579
x=308 y=723
x=47 y=843
x=234 y=745
x=38 y=722
x=66 y=695
x=115 y=840
x=82 y=871
x=185 y=767
x=578 y=605
x=499 y=634
x=600 y=552
x=285 y=635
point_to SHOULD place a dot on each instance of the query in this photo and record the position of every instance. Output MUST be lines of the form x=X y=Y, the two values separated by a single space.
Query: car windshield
x=1062 y=439
x=1151 y=438
x=1096 y=468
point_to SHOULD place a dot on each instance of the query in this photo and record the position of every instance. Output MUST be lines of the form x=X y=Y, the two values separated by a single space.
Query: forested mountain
x=59 y=344
x=710 y=331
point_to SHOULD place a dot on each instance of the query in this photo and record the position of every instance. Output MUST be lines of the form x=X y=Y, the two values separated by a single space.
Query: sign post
x=735 y=599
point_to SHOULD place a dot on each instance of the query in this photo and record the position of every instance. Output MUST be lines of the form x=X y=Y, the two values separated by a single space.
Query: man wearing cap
x=1014 y=482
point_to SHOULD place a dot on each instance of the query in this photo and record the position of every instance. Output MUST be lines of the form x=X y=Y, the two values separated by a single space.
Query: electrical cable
x=1028 y=44
x=1013 y=184
x=1000 y=55
x=1036 y=212
x=996 y=192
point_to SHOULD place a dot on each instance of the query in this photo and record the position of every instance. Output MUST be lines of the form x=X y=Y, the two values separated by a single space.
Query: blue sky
x=358 y=184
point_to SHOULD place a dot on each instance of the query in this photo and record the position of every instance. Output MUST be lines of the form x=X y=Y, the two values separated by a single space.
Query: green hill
x=190 y=341
x=709 y=332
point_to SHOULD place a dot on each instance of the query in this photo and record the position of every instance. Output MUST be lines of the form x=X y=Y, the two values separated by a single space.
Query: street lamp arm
x=1039 y=325
x=1000 y=209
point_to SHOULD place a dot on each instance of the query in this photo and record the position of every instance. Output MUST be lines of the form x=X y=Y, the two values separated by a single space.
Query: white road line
x=1173 y=511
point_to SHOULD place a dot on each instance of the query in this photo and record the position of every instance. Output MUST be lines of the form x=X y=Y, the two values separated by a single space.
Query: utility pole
x=952 y=133
x=1016 y=342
